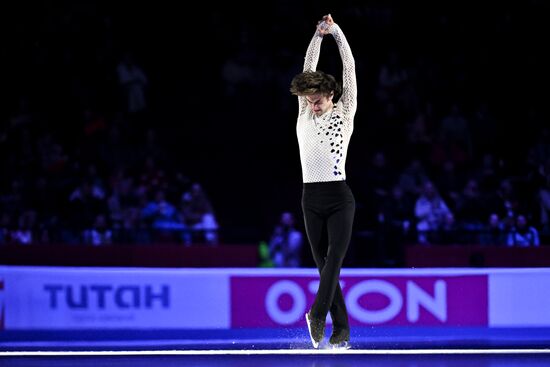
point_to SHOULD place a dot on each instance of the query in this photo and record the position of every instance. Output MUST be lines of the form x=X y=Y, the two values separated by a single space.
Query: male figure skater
x=324 y=128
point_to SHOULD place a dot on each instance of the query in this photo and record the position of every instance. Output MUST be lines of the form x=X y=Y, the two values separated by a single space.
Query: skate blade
x=315 y=344
x=340 y=346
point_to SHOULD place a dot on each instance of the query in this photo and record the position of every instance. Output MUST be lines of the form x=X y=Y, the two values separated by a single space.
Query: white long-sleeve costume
x=323 y=141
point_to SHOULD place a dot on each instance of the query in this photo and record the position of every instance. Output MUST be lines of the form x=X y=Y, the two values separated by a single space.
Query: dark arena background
x=150 y=183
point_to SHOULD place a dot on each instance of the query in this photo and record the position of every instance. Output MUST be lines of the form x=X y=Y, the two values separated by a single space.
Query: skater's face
x=319 y=103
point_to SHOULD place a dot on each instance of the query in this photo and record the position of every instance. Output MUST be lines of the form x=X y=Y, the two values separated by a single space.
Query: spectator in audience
x=431 y=212
x=450 y=232
x=376 y=183
x=264 y=256
x=5 y=226
x=134 y=228
x=419 y=136
x=523 y=234
x=286 y=242
x=100 y=234
x=85 y=203
x=449 y=182
x=493 y=232
x=392 y=77
x=470 y=211
x=24 y=233
x=199 y=215
x=163 y=217
x=395 y=219
x=505 y=203
x=413 y=177
x=456 y=141
x=488 y=174
x=539 y=152
x=133 y=81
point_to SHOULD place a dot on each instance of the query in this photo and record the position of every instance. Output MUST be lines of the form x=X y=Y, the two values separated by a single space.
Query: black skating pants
x=329 y=210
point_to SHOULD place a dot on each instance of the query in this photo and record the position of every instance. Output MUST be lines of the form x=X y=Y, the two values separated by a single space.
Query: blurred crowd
x=102 y=132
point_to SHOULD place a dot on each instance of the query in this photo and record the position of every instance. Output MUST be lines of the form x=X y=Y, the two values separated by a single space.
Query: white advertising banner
x=520 y=298
x=90 y=298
